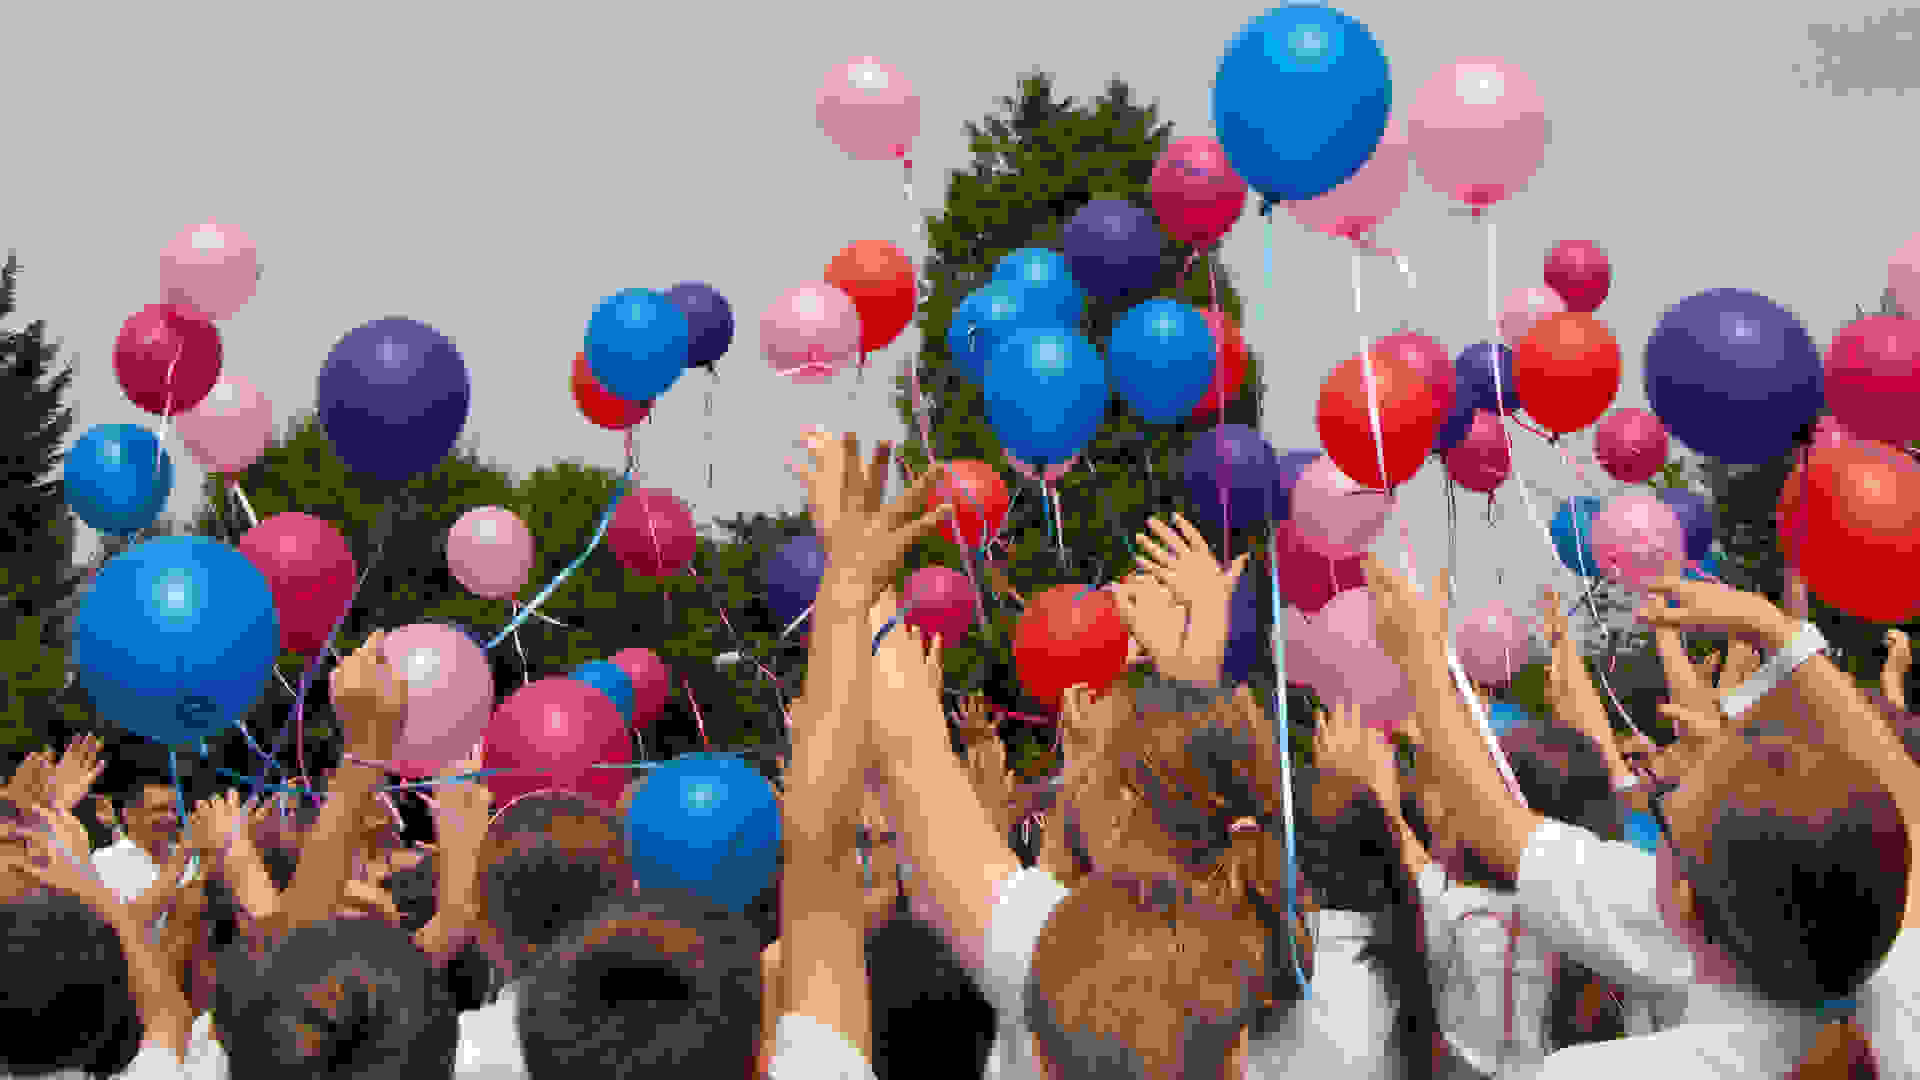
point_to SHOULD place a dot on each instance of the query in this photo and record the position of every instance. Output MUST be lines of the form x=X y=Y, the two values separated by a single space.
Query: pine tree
x=34 y=421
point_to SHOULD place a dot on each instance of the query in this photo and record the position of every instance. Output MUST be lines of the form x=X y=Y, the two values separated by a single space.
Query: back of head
x=340 y=998
x=929 y=1019
x=549 y=862
x=1564 y=775
x=64 y=998
x=661 y=984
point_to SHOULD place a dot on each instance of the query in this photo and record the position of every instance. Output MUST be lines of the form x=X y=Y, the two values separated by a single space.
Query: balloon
x=1047 y=281
x=311 y=571
x=979 y=498
x=1301 y=100
x=1409 y=417
x=1308 y=579
x=967 y=342
x=1732 y=353
x=605 y=786
x=449 y=695
x=1160 y=358
x=1234 y=461
x=607 y=677
x=792 y=579
x=1567 y=369
x=167 y=358
x=1637 y=539
x=637 y=344
x=605 y=410
x=394 y=397
x=1696 y=519
x=1481 y=460
x=1631 y=445
x=1339 y=658
x=1245 y=643
x=880 y=281
x=1286 y=476
x=1069 y=635
x=652 y=533
x=1337 y=517
x=995 y=313
x=810 y=333
x=1479 y=379
x=708 y=824
x=1872 y=378
x=709 y=322
x=210 y=268
x=490 y=552
x=1903 y=275
x=869 y=110
x=555 y=729
x=230 y=428
x=1579 y=274
x=1572 y=531
x=1861 y=534
x=1478 y=130
x=1525 y=307
x=1113 y=247
x=1505 y=717
x=652 y=682
x=1429 y=359
x=1229 y=366
x=941 y=601
x=117 y=478
x=1492 y=645
x=1706 y=568
x=1354 y=209
x=1046 y=394
x=1195 y=191
x=174 y=639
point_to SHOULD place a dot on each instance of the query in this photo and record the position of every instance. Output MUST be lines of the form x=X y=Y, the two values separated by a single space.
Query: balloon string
x=797 y=620
x=1053 y=519
x=599 y=533
x=1267 y=258
x=233 y=485
x=1493 y=295
x=779 y=687
x=1373 y=388
x=1213 y=304
x=385 y=527
x=513 y=606
x=698 y=720
x=179 y=792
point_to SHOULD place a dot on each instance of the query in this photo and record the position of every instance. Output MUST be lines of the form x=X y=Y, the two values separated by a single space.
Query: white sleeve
x=1597 y=901
x=156 y=1062
x=1023 y=903
x=806 y=1049
x=1888 y=1005
x=490 y=1042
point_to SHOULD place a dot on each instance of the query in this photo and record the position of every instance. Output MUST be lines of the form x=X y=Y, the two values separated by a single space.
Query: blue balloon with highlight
x=117 y=478
x=607 y=678
x=1046 y=394
x=1049 y=280
x=1160 y=358
x=706 y=823
x=1572 y=531
x=637 y=344
x=1505 y=717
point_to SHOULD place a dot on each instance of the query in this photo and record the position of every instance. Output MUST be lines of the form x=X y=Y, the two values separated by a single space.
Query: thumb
x=1239 y=567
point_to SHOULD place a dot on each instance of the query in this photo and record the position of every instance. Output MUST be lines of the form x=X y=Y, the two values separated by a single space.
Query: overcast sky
x=495 y=171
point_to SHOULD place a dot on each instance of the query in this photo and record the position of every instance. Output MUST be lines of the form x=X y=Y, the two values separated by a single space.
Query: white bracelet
x=1777 y=669
x=1631 y=783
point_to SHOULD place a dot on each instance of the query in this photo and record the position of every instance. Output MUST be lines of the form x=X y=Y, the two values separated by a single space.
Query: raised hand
x=863 y=534
x=78 y=769
x=1346 y=747
x=31 y=782
x=1156 y=620
x=1178 y=557
x=1406 y=620
x=1713 y=607
x=370 y=700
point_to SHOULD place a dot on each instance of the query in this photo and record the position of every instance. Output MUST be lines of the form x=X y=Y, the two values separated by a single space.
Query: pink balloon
x=1492 y=645
x=940 y=600
x=1354 y=209
x=652 y=533
x=1527 y=306
x=1637 y=539
x=810 y=333
x=1631 y=445
x=211 y=268
x=552 y=732
x=1337 y=517
x=1478 y=130
x=230 y=428
x=1873 y=378
x=1195 y=192
x=310 y=570
x=1903 y=275
x=1340 y=653
x=869 y=110
x=1308 y=579
x=490 y=552
x=652 y=682
x=1481 y=460
x=449 y=695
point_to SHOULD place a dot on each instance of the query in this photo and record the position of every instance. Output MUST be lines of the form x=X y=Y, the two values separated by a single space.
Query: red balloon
x=1873 y=378
x=1229 y=365
x=600 y=406
x=1631 y=445
x=167 y=358
x=1481 y=460
x=652 y=533
x=1309 y=579
x=555 y=731
x=879 y=279
x=1429 y=358
x=605 y=786
x=1849 y=520
x=1410 y=419
x=311 y=571
x=1069 y=635
x=979 y=498
x=1580 y=273
x=940 y=601
x=1567 y=370
x=652 y=682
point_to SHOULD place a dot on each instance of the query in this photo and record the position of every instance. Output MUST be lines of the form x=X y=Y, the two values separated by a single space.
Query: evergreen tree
x=34 y=420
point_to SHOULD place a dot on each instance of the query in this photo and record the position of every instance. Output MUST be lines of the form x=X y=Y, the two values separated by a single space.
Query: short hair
x=929 y=1019
x=659 y=984
x=549 y=862
x=66 y=1003
x=470 y=974
x=1565 y=775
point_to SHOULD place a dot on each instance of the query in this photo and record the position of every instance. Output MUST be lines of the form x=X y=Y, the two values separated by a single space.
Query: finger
x=1194 y=537
x=1239 y=567
x=876 y=486
x=916 y=496
x=1165 y=534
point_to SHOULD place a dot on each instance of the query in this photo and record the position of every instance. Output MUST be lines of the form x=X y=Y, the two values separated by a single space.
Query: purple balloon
x=709 y=322
x=1113 y=248
x=1236 y=460
x=393 y=398
x=1286 y=473
x=793 y=574
x=1475 y=368
x=1733 y=375
x=1245 y=642
x=1696 y=519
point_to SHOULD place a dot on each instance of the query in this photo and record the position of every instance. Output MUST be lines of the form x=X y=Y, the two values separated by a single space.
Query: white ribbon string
x=1406 y=270
x=1373 y=388
x=252 y=520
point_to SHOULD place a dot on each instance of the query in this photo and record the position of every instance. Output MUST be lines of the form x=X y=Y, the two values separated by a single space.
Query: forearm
x=1205 y=650
x=164 y=1010
x=1412 y=855
x=1580 y=708
x=327 y=860
x=1834 y=709
x=1464 y=769
x=247 y=875
x=1684 y=683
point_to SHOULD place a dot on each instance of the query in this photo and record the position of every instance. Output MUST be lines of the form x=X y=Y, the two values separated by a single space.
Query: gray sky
x=495 y=171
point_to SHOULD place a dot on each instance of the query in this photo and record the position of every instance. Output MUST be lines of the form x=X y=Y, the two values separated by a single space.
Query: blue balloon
x=1286 y=473
x=1504 y=716
x=1696 y=518
x=1160 y=358
x=1301 y=101
x=1734 y=375
x=1236 y=460
x=1114 y=248
x=1643 y=832
x=989 y=317
x=637 y=344
x=117 y=478
x=1244 y=641
x=709 y=322
x=607 y=678
x=394 y=397
x=1573 y=534
x=1046 y=394
x=1045 y=273
x=792 y=578
x=175 y=639
x=1705 y=568
x=706 y=823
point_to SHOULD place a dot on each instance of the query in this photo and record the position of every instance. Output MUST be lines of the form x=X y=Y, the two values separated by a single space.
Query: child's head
x=65 y=1003
x=548 y=861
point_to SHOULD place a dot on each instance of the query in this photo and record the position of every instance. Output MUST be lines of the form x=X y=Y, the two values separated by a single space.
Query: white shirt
x=1023 y=903
x=1890 y=1010
x=206 y=1058
x=806 y=1049
x=125 y=869
x=490 y=1040
x=1346 y=1028
x=1473 y=941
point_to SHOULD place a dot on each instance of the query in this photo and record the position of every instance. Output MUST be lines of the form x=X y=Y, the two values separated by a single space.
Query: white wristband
x=1777 y=669
x=1631 y=783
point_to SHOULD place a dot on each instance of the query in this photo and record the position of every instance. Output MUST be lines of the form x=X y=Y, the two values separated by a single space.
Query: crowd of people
x=1191 y=906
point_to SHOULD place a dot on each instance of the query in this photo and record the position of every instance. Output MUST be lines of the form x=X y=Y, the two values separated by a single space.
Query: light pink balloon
x=869 y=109
x=490 y=551
x=652 y=682
x=1903 y=276
x=449 y=695
x=210 y=267
x=1637 y=539
x=810 y=333
x=1631 y=444
x=1481 y=460
x=1370 y=680
x=1527 y=306
x=1478 y=129
x=1196 y=194
x=231 y=426
x=1336 y=516
x=1354 y=209
x=1492 y=645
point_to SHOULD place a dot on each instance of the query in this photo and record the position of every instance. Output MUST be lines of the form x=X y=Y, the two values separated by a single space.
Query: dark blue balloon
x=792 y=578
x=1503 y=717
x=1160 y=359
x=175 y=639
x=1114 y=248
x=709 y=322
x=1476 y=364
x=117 y=478
x=1286 y=473
x=706 y=823
x=607 y=678
x=394 y=397
x=1045 y=273
x=1301 y=101
x=1235 y=459
x=1244 y=641
x=1705 y=568
x=1696 y=518
x=1733 y=375
x=638 y=344
x=1573 y=534
x=1046 y=394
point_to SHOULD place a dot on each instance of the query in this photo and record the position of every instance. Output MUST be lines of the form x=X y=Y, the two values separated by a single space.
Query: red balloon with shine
x=1410 y=419
x=1229 y=365
x=1567 y=370
x=1849 y=519
x=979 y=498
x=1069 y=635
x=879 y=279
x=601 y=407
x=167 y=358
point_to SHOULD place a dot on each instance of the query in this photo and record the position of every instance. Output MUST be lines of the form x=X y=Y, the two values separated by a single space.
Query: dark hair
x=539 y=883
x=929 y=1019
x=1566 y=776
x=66 y=1004
x=660 y=984
x=470 y=975
x=99 y=833
x=342 y=997
x=1473 y=866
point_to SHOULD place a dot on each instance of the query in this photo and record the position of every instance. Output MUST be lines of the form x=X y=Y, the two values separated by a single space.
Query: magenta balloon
x=1638 y=539
x=449 y=695
x=940 y=600
x=557 y=728
x=652 y=682
x=1873 y=378
x=1481 y=460
x=1631 y=445
x=652 y=533
x=1336 y=516
x=311 y=572
x=1196 y=194
x=1492 y=645
x=1308 y=579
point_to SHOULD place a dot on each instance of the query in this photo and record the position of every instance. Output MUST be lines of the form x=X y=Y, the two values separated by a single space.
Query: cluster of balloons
x=638 y=344
x=866 y=297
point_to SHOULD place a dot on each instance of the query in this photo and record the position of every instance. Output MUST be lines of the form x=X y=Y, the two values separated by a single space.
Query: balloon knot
x=1266 y=207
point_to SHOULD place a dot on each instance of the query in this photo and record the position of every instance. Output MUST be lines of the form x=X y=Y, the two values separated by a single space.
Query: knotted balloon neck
x=1266 y=207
